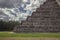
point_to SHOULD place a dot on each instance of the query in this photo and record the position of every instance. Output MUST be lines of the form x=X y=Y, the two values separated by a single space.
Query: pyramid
x=46 y=18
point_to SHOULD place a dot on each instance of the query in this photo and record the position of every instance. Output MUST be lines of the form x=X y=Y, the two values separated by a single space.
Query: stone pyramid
x=45 y=19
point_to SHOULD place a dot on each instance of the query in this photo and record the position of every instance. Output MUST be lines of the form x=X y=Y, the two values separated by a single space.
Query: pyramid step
x=46 y=18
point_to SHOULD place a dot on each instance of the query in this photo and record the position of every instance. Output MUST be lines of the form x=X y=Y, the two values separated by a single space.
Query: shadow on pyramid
x=46 y=18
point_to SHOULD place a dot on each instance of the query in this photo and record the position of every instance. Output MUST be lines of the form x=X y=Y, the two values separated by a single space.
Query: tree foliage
x=8 y=26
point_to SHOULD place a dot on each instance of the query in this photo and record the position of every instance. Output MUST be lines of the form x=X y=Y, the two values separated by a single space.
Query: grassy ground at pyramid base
x=28 y=38
x=12 y=34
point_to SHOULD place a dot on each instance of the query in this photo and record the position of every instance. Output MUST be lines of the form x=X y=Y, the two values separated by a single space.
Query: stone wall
x=45 y=19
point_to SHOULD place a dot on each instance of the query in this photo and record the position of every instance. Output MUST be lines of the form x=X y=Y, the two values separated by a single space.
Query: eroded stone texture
x=45 y=19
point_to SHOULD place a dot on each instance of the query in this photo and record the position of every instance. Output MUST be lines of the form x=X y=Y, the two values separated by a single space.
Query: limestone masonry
x=45 y=19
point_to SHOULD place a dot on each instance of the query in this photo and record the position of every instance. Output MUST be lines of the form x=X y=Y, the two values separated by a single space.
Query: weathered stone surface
x=45 y=19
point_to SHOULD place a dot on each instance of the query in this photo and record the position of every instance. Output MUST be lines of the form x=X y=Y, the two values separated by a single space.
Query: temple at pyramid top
x=46 y=18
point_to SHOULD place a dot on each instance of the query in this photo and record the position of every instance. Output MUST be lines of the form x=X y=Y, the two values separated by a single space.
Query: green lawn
x=10 y=34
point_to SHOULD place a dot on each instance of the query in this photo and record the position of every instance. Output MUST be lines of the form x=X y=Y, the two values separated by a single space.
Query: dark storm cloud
x=9 y=3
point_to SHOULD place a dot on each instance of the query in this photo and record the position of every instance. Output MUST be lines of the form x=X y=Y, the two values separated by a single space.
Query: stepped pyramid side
x=45 y=19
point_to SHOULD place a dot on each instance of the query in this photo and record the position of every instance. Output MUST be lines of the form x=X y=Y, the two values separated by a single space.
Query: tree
x=8 y=26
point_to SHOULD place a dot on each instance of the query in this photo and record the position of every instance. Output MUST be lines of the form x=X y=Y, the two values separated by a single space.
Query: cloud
x=6 y=4
x=17 y=10
x=9 y=3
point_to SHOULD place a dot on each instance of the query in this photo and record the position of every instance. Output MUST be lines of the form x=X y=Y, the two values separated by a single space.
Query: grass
x=11 y=34
x=29 y=38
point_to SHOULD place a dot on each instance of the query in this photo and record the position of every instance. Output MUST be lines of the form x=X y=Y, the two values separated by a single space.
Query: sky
x=17 y=10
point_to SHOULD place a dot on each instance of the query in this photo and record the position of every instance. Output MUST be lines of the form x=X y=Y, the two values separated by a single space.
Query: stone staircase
x=46 y=18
